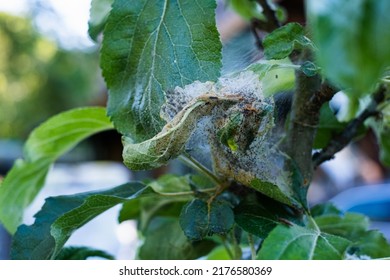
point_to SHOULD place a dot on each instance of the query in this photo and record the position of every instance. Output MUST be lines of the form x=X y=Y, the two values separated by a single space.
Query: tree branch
x=344 y=138
x=308 y=98
x=254 y=26
x=270 y=25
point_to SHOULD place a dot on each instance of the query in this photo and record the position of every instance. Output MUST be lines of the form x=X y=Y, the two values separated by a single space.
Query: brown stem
x=341 y=140
x=254 y=26
x=308 y=98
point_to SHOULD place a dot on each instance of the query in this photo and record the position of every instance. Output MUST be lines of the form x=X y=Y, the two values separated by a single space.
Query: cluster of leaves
x=243 y=208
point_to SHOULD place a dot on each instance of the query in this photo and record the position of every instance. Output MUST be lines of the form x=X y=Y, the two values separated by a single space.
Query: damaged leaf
x=169 y=143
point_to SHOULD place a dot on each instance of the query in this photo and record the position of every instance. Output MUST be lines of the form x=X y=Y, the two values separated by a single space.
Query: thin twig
x=341 y=140
x=252 y=246
x=269 y=25
x=236 y=246
x=226 y=245
x=254 y=27
x=272 y=21
x=193 y=163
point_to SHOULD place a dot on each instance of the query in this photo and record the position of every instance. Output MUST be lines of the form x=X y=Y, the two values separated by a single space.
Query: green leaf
x=46 y=143
x=170 y=183
x=281 y=13
x=384 y=143
x=227 y=133
x=324 y=209
x=373 y=244
x=247 y=9
x=62 y=132
x=349 y=226
x=328 y=127
x=60 y=216
x=354 y=227
x=82 y=253
x=199 y=219
x=99 y=12
x=287 y=187
x=283 y=41
x=255 y=221
x=273 y=191
x=259 y=215
x=175 y=192
x=164 y=240
x=130 y=210
x=275 y=75
x=218 y=253
x=157 y=46
x=169 y=143
x=298 y=243
x=309 y=68
x=353 y=41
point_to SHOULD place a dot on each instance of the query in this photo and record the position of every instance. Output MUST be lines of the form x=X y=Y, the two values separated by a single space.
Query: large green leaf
x=169 y=143
x=151 y=46
x=199 y=219
x=46 y=143
x=164 y=240
x=98 y=16
x=60 y=216
x=299 y=243
x=353 y=41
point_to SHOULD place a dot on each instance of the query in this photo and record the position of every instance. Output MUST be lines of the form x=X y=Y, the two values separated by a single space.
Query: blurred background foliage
x=38 y=78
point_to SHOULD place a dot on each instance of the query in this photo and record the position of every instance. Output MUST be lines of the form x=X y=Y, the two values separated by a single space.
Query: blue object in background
x=371 y=200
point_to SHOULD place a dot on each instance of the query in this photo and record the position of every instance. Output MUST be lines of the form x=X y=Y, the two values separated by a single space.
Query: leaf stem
x=193 y=163
x=312 y=223
x=236 y=246
x=230 y=253
x=189 y=192
x=252 y=246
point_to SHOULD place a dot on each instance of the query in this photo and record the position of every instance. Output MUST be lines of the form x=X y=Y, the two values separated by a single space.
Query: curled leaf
x=169 y=143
